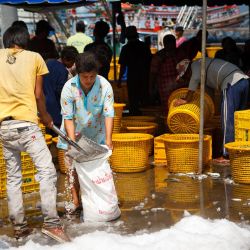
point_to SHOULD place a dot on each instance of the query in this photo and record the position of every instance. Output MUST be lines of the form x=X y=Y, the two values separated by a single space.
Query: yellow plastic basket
x=29 y=184
x=139 y=126
x=186 y=118
x=60 y=154
x=117 y=125
x=130 y=153
x=241 y=124
x=43 y=128
x=48 y=138
x=182 y=151
x=239 y=154
x=118 y=107
x=159 y=150
x=142 y=118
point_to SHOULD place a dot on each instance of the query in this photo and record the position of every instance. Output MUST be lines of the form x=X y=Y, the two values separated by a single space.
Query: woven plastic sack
x=99 y=198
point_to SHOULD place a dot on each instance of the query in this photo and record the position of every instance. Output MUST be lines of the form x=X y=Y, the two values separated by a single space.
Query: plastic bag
x=99 y=198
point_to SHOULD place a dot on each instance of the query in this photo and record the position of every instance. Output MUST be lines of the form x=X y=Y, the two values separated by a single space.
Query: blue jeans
x=234 y=99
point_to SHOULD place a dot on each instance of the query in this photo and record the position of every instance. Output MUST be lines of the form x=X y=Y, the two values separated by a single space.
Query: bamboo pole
x=202 y=86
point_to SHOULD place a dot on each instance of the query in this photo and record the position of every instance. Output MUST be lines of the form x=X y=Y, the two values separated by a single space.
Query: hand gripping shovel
x=84 y=150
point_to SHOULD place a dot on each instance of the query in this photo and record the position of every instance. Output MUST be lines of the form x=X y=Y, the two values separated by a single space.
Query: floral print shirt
x=87 y=111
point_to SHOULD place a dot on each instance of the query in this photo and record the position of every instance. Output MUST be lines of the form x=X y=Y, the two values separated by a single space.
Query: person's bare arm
x=108 y=130
x=70 y=129
x=187 y=99
x=40 y=101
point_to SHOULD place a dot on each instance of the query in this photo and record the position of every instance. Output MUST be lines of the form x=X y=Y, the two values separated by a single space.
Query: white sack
x=99 y=198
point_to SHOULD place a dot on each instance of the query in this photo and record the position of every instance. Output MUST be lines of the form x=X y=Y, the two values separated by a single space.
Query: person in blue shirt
x=55 y=80
x=87 y=103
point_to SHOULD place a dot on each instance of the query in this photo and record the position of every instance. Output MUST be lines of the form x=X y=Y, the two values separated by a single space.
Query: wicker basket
x=117 y=125
x=182 y=151
x=139 y=127
x=119 y=109
x=130 y=126
x=60 y=154
x=159 y=150
x=48 y=139
x=130 y=152
x=43 y=128
x=142 y=118
x=239 y=154
x=186 y=118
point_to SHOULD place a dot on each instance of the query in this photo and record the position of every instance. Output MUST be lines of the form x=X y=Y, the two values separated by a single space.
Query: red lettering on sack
x=100 y=180
x=105 y=212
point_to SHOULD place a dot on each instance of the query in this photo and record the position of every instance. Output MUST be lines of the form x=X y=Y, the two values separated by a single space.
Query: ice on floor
x=191 y=233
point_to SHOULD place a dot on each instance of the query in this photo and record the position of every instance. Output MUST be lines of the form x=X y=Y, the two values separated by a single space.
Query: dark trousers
x=234 y=99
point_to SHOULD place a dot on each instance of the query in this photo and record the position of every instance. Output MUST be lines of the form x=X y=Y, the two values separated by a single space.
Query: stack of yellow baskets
x=186 y=118
x=48 y=139
x=118 y=107
x=239 y=154
x=142 y=118
x=139 y=126
x=130 y=153
x=239 y=151
x=60 y=154
x=130 y=126
x=42 y=127
x=28 y=173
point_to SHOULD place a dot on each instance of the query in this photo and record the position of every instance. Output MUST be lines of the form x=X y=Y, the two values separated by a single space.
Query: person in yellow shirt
x=80 y=39
x=21 y=97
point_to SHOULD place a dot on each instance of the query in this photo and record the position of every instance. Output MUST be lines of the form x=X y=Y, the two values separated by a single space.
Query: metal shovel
x=84 y=150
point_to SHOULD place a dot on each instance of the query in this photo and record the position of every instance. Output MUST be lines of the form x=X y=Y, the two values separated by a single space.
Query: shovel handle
x=65 y=137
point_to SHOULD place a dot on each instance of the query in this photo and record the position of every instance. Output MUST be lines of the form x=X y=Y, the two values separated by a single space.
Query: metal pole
x=203 y=79
x=114 y=40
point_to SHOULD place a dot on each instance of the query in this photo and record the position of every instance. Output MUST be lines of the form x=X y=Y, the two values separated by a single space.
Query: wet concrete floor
x=149 y=201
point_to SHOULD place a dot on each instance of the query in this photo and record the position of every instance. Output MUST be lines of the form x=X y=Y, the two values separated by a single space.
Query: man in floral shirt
x=87 y=108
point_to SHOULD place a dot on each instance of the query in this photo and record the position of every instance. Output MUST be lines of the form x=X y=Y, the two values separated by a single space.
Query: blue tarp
x=46 y=5
x=39 y=1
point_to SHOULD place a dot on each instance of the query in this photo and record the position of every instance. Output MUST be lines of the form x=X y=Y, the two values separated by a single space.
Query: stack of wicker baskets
x=118 y=107
x=131 y=126
x=60 y=155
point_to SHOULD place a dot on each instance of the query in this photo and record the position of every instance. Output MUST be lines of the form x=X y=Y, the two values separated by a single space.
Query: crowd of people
x=71 y=90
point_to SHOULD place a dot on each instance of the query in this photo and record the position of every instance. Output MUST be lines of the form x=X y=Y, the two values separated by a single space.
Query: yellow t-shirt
x=17 y=85
x=79 y=41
